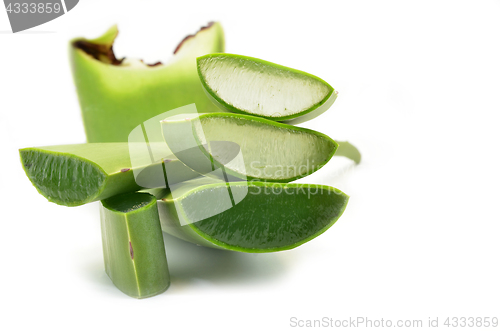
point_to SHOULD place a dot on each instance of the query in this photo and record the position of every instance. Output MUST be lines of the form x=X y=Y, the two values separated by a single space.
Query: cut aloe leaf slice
x=266 y=150
x=132 y=240
x=247 y=85
x=73 y=175
x=116 y=95
x=250 y=217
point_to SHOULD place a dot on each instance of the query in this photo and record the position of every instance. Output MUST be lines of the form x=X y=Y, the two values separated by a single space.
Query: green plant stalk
x=349 y=151
x=73 y=175
x=262 y=143
x=117 y=95
x=132 y=240
x=240 y=64
x=253 y=217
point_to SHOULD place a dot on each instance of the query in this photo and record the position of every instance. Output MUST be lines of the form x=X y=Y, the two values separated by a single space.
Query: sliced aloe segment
x=266 y=150
x=250 y=217
x=116 y=95
x=132 y=240
x=73 y=175
x=247 y=85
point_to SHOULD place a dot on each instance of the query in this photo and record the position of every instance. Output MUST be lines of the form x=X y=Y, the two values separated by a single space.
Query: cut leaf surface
x=252 y=86
x=73 y=175
x=134 y=251
x=268 y=150
x=260 y=217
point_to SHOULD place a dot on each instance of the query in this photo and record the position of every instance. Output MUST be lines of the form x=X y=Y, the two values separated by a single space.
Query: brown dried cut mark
x=125 y=169
x=100 y=52
x=131 y=250
x=104 y=53
x=159 y=63
x=192 y=35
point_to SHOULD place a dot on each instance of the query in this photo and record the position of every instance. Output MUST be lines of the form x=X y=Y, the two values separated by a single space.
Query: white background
x=418 y=86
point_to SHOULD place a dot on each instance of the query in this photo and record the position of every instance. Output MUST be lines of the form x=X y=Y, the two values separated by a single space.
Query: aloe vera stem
x=134 y=251
x=116 y=95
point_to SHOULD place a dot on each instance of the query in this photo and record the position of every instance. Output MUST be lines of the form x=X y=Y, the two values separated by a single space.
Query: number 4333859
x=32 y=8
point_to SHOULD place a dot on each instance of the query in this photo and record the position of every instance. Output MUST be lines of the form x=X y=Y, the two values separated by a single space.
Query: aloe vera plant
x=217 y=179
x=73 y=175
x=247 y=85
x=116 y=95
x=266 y=150
x=249 y=217
x=134 y=251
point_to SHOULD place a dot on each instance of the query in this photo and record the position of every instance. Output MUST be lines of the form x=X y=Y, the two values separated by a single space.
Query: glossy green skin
x=114 y=99
x=72 y=175
x=245 y=120
x=297 y=118
x=132 y=240
x=260 y=222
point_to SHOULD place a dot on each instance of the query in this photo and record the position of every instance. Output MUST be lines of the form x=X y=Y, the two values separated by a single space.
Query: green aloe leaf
x=349 y=151
x=247 y=85
x=132 y=240
x=249 y=217
x=247 y=147
x=116 y=95
x=73 y=175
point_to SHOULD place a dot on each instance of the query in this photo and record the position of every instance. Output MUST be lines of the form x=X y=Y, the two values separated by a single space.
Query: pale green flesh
x=261 y=88
x=133 y=247
x=267 y=150
x=260 y=217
